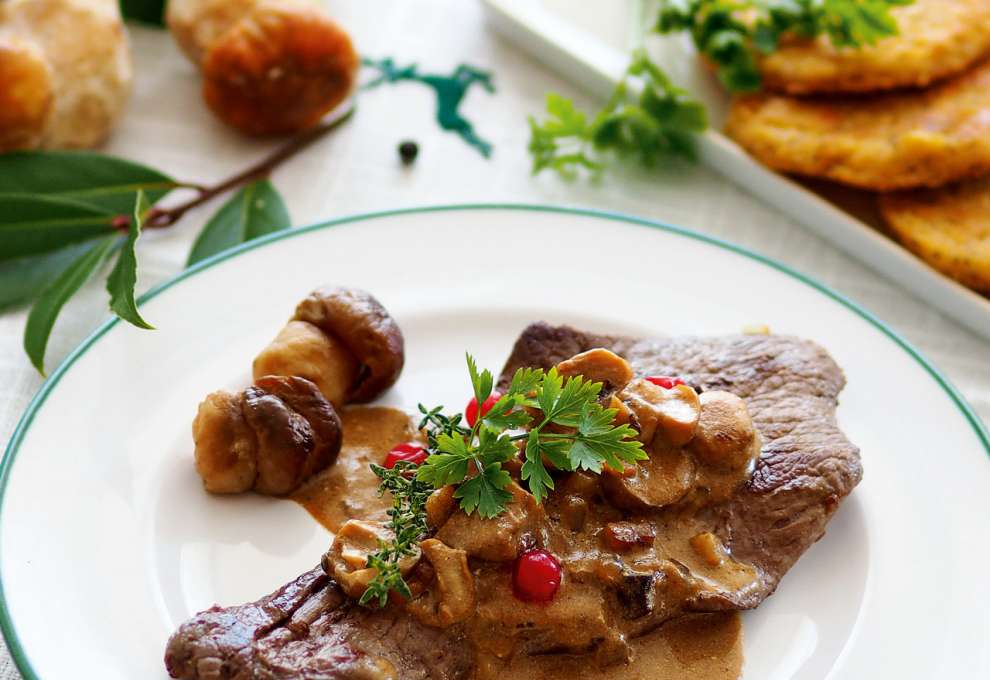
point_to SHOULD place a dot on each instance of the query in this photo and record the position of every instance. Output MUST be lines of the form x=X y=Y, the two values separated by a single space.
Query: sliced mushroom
x=450 y=598
x=347 y=560
x=598 y=365
x=726 y=439
x=440 y=506
x=627 y=536
x=668 y=415
x=302 y=349
x=498 y=539
x=662 y=480
x=226 y=448
x=366 y=329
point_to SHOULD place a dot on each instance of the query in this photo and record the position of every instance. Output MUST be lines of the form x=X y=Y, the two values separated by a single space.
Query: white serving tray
x=588 y=42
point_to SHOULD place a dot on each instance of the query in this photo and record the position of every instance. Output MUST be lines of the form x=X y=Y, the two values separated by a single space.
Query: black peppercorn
x=408 y=151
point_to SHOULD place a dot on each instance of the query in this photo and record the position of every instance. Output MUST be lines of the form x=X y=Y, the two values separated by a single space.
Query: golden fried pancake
x=887 y=142
x=938 y=38
x=949 y=228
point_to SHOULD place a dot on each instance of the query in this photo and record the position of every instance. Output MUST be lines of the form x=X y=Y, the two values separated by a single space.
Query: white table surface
x=356 y=170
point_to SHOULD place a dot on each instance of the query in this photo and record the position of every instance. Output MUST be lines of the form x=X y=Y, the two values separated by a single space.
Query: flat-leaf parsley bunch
x=564 y=425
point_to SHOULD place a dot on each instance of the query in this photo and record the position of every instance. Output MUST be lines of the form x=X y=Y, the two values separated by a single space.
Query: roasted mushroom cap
x=197 y=24
x=365 y=327
x=303 y=397
x=726 y=439
x=298 y=431
x=226 y=447
x=280 y=69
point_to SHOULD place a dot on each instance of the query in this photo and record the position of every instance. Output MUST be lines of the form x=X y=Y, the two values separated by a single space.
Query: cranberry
x=665 y=381
x=471 y=412
x=410 y=452
x=536 y=576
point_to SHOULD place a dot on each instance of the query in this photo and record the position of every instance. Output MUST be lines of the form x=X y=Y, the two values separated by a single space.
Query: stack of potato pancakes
x=908 y=117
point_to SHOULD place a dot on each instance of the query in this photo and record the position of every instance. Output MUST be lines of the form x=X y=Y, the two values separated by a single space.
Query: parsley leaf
x=485 y=492
x=733 y=34
x=660 y=121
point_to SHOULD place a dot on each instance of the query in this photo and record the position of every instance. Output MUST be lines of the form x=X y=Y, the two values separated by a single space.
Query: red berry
x=410 y=452
x=665 y=381
x=471 y=412
x=536 y=576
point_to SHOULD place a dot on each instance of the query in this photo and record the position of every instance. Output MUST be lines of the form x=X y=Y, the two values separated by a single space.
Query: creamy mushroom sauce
x=697 y=646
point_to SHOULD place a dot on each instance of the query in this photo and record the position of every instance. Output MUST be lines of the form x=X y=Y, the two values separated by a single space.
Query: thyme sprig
x=407 y=521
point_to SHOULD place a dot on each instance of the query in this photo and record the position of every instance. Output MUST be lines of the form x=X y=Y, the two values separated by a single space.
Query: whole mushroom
x=65 y=72
x=343 y=340
x=270 y=437
x=270 y=67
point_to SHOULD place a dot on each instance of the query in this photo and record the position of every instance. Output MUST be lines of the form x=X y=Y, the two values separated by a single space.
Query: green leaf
x=597 y=442
x=495 y=448
x=104 y=182
x=254 y=211
x=485 y=492
x=534 y=473
x=45 y=311
x=146 y=11
x=32 y=225
x=481 y=383
x=23 y=279
x=123 y=278
x=442 y=469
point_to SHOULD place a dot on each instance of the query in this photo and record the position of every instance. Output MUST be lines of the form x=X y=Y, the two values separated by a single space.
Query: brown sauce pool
x=699 y=646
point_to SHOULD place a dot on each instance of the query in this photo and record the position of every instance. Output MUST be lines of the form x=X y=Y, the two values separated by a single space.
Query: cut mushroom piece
x=347 y=559
x=598 y=365
x=365 y=328
x=670 y=416
x=662 y=480
x=302 y=349
x=726 y=439
x=226 y=448
x=450 y=597
x=498 y=539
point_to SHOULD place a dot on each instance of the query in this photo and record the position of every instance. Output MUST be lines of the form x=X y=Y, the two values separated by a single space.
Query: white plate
x=107 y=541
x=589 y=43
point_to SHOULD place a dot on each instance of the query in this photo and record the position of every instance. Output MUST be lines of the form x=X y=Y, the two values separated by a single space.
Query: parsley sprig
x=571 y=430
x=660 y=121
x=407 y=520
x=733 y=34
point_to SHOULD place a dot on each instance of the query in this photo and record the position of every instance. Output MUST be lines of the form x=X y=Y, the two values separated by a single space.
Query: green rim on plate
x=7 y=625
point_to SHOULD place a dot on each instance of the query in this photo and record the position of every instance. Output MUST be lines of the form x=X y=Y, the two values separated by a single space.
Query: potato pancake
x=937 y=39
x=949 y=228
x=887 y=142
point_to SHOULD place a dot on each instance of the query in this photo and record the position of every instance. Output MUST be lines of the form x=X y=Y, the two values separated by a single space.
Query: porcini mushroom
x=270 y=437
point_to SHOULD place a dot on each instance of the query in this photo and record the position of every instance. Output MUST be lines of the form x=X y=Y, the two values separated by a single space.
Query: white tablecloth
x=356 y=170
